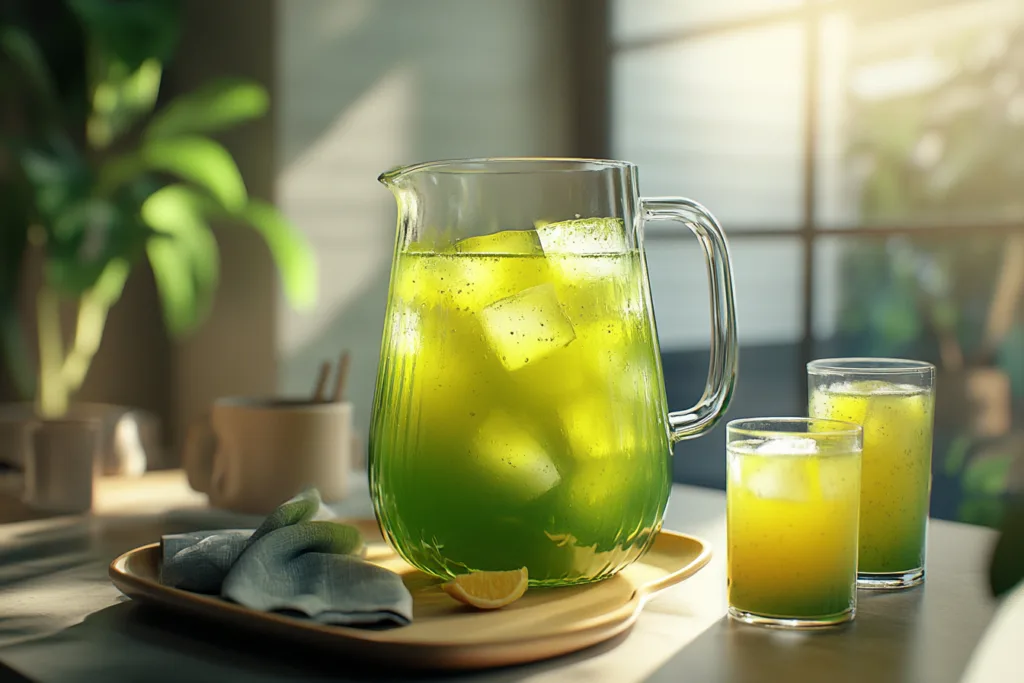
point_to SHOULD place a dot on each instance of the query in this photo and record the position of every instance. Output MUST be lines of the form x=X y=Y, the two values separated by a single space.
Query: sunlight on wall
x=719 y=120
x=331 y=191
x=638 y=19
x=340 y=18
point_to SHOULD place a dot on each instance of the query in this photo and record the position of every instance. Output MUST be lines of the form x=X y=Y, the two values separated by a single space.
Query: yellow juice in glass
x=896 y=478
x=792 y=508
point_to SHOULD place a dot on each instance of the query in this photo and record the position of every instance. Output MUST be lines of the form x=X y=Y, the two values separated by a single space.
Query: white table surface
x=62 y=620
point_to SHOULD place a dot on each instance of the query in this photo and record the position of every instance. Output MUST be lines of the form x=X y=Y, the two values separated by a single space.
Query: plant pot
x=58 y=469
x=129 y=439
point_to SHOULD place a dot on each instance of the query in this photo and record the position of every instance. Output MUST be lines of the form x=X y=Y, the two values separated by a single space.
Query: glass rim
x=841 y=428
x=865 y=365
x=498 y=165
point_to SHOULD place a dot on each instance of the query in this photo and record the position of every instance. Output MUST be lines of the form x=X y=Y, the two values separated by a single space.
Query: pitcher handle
x=687 y=424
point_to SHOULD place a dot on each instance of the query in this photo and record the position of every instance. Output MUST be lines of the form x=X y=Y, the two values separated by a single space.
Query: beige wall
x=365 y=85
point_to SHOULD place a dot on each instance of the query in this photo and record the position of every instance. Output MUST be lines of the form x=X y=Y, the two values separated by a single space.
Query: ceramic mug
x=251 y=454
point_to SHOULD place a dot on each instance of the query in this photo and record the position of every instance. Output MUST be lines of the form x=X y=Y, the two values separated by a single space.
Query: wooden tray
x=444 y=634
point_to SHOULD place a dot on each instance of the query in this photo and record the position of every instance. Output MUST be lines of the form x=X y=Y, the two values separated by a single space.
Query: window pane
x=768 y=279
x=632 y=19
x=717 y=119
x=958 y=303
x=923 y=115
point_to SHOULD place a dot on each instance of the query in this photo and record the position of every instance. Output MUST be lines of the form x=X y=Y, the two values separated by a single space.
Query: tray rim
x=422 y=655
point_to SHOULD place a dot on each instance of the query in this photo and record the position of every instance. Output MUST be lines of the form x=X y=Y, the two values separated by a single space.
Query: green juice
x=897 y=475
x=519 y=418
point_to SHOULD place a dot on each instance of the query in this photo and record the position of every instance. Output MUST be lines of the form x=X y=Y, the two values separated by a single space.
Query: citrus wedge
x=488 y=590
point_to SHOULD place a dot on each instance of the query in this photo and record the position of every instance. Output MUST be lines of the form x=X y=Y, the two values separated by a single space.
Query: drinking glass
x=894 y=400
x=792 y=504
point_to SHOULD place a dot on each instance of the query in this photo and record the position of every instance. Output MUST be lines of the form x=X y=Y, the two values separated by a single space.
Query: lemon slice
x=488 y=590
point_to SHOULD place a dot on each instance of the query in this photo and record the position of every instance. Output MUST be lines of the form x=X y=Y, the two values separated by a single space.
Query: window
x=866 y=159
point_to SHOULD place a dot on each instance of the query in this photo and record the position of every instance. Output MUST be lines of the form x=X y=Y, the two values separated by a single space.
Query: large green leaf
x=173 y=275
x=83 y=230
x=209 y=109
x=58 y=175
x=80 y=243
x=201 y=161
x=120 y=98
x=84 y=242
x=196 y=159
x=177 y=212
x=130 y=31
x=23 y=51
x=140 y=89
x=293 y=255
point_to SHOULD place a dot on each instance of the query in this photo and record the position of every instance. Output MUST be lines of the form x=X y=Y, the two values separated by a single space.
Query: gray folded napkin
x=297 y=561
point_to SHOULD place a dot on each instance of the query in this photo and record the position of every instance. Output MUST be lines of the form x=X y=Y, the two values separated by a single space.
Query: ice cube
x=839 y=402
x=794 y=445
x=839 y=476
x=478 y=280
x=507 y=242
x=584 y=236
x=527 y=327
x=778 y=478
x=589 y=258
x=514 y=460
x=611 y=270
x=594 y=430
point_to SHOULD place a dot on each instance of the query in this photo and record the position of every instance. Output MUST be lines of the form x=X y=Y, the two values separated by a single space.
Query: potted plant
x=97 y=174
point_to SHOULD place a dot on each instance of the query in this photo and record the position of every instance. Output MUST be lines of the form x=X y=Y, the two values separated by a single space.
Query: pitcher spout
x=391 y=179
x=400 y=175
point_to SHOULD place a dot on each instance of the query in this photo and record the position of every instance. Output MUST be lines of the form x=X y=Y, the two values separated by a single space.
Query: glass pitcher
x=519 y=417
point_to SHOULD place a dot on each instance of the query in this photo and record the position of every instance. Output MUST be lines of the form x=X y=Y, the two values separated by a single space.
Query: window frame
x=595 y=49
